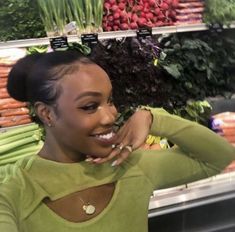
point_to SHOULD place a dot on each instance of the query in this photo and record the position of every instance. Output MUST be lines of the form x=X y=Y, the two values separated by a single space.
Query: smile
x=107 y=136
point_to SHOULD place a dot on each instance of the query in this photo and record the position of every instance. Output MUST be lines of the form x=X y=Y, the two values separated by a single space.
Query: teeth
x=106 y=136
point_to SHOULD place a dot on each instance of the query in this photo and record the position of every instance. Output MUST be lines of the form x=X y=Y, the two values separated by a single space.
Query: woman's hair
x=36 y=77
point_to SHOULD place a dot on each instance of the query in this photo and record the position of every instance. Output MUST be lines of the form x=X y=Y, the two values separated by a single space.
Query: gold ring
x=129 y=148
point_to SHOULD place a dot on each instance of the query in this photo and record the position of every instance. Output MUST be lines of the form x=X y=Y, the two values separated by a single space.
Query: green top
x=25 y=184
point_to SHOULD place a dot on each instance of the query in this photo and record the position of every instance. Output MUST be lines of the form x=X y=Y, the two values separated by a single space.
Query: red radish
x=152 y=2
x=121 y=6
x=139 y=7
x=107 y=6
x=172 y=14
x=149 y=16
x=175 y=3
x=134 y=17
x=115 y=28
x=164 y=6
x=157 y=11
x=161 y=16
x=123 y=14
x=169 y=2
x=116 y=15
x=124 y=20
x=146 y=10
x=114 y=8
x=110 y=18
x=142 y=21
x=142 y=14
x=133 y=25
x=112 y=2
x=124 y=26
x=116 y=22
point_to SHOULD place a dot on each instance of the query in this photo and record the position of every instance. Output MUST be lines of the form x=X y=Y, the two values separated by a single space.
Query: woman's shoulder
x=12 y=172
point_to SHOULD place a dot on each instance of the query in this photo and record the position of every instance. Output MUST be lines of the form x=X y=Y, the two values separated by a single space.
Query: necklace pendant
x=89 y=209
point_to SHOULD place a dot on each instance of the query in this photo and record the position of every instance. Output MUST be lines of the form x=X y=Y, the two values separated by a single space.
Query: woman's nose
x=108 y=115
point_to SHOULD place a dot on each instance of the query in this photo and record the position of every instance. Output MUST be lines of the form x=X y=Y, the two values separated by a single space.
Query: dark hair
x=35 y=77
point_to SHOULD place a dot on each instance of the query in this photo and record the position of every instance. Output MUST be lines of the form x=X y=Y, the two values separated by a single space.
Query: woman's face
x=86 y=114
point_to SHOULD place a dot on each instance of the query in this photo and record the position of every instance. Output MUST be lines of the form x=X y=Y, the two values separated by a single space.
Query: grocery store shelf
x=204 y=192
x=109 y=35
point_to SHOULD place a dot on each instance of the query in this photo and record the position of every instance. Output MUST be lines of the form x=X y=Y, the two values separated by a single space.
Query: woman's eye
x=90 y=107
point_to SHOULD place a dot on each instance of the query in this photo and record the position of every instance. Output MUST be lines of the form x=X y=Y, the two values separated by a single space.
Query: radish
x=164 y=6
x=116 y=22
x=175 y=3
x=116 y=15
x=157 y=11
x=112 y=2
x=110 y=18
x=134 y=17
x=115 y=28
x=107 y=6
x=114 y=8
x=121 y=6
x=152 y=2
x=142 y=21
x=149 y=16
x=133 y=25
x=124 y=26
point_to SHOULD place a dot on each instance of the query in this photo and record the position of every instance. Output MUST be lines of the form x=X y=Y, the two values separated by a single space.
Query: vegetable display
x=132 y=14
x=19 y=142
x=59 y=16
x=12 y=112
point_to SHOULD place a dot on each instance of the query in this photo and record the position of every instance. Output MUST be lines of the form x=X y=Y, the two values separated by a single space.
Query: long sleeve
x=199 y=152
x=7 y=218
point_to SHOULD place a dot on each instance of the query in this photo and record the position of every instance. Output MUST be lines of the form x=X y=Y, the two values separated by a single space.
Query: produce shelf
x=204 y=192
x=110 y=35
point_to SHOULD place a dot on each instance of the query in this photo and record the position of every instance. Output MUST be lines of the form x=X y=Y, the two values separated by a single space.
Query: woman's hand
x=129 y=137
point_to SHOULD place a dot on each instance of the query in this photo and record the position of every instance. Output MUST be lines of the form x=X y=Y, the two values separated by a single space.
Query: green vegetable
x=219 y=11
x=19 y=130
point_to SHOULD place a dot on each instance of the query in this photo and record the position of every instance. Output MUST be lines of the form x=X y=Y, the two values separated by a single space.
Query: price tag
x=216 y=27
x=59 y=42
x=143 y=33
x=89 y=40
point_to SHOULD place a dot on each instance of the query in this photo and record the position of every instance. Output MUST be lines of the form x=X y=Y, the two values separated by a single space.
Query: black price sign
x=89 y=40
x=216 y=27
x=143 y=33
x=59 y=42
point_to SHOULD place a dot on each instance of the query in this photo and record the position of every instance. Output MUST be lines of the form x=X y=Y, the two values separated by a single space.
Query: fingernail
x=114 y=163
x=88 y=159
x=97 y=159
x=113 y=146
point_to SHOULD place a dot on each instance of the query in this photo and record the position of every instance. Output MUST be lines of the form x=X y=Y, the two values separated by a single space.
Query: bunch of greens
x=19 y=19
x=219 y=11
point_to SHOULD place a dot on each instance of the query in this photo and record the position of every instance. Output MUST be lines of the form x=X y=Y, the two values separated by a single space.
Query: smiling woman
x=89 y=176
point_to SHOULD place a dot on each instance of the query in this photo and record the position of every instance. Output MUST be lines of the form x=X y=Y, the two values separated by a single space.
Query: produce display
x=132 y=14
x=71 y=16
x=12 y=112
x=19 y=142
x=190 y=11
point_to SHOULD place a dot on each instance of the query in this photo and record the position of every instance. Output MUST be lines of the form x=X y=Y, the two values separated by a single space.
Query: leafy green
x=219 y=11
x=19 y=19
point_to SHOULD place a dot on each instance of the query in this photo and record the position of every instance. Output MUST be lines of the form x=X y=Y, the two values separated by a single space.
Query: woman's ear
x=44 y=112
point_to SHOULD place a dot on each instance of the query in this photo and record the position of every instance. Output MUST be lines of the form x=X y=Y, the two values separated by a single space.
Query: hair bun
x=18 y=77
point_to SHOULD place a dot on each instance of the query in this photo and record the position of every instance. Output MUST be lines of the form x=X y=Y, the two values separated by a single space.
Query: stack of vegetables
x=190 y=11
x=19 y=142
x=132 y=14
x=12 y=112
x=58 y=16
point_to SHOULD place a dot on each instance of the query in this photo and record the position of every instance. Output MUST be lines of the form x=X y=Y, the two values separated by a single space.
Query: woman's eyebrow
x=88 y=93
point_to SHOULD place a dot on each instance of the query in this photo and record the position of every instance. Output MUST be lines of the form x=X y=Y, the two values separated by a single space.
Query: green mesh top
x=200 y=153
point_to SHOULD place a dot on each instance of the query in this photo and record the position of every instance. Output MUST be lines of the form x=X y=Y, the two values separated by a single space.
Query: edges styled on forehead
x=32 y=78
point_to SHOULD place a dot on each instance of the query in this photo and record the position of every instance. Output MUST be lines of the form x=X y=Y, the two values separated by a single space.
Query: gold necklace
x=88 y=208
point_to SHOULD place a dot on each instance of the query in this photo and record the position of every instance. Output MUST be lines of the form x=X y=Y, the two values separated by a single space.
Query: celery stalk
x=21 y=129
x=16 y=137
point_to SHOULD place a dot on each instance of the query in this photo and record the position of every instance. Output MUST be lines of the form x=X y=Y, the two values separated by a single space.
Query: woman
x=60 y=189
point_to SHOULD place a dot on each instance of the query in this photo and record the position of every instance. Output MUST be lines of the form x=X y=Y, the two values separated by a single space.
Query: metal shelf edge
x=109 y=35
